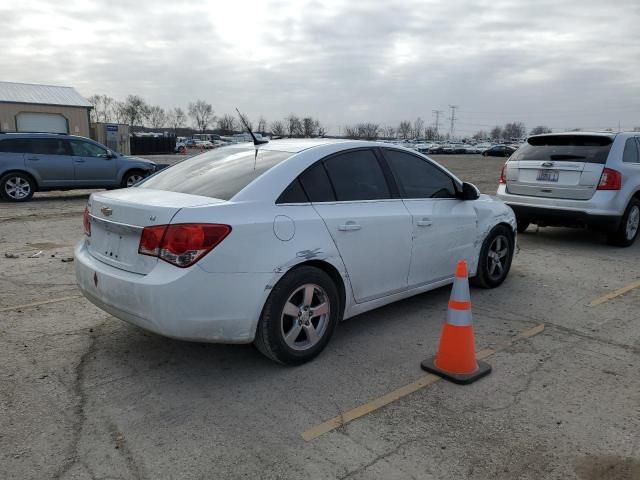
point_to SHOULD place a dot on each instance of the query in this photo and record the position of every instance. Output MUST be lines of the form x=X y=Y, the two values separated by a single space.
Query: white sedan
x=275 y=244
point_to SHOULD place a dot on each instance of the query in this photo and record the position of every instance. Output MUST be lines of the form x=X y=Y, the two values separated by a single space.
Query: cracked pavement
x=86 y=396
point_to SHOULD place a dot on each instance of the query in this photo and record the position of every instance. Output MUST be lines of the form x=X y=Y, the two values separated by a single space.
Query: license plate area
x=548 y=175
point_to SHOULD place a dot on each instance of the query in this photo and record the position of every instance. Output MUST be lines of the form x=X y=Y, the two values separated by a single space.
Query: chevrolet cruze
x=275 y=244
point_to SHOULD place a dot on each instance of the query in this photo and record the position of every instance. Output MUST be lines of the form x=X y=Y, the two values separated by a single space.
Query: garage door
x=42 y=122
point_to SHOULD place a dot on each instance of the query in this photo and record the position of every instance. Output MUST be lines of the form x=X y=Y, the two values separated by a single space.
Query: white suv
x=576 y=179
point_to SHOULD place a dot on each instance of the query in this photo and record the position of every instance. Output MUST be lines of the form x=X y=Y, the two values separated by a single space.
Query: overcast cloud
x=560 y=63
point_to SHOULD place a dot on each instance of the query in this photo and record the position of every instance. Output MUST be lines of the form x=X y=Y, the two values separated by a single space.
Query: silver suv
x=31 y=162
x=576 y=179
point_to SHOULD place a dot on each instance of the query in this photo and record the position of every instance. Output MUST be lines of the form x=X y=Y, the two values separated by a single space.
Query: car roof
x=296 y=145
x=610 y=135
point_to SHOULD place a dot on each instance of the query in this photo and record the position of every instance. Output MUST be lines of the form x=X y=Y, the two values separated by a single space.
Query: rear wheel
x=627 y=232
x=299 y=317
x=17 y=187
x=495 y=258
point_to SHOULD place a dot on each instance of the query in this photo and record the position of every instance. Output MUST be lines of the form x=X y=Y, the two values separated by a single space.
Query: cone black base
x=461 y=379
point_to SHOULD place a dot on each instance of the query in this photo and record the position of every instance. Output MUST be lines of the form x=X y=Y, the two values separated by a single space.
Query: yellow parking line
x=37 y=304
x=614 y=294
x=373 y=405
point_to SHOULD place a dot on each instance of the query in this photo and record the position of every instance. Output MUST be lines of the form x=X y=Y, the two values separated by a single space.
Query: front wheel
x=627 y=232
x=299 y=317
x=131 y=178
x=495 y=258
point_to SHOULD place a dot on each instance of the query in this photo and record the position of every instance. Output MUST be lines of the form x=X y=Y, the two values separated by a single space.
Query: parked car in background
x=276 y=244
x=499 y=151
x=577 y=179
x=31 y=162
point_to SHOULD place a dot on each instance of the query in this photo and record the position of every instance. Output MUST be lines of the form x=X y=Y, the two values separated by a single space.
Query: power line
x=437 y=113
x=453 y=119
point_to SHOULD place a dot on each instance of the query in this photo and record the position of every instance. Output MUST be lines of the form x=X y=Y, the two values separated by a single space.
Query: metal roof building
x=26 y=107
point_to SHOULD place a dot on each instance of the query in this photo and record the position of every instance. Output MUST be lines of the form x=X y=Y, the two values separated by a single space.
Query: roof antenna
x=256 y=142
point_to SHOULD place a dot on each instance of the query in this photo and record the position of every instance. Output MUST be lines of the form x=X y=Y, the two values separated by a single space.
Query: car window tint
x=87 y=149
x=48 y=146
x=630 y=154
x=576 y=148
x=293 y=194
x=14 y=145
x=316 y=184
x=219 y=173
x=357 y=175
x=417 y=178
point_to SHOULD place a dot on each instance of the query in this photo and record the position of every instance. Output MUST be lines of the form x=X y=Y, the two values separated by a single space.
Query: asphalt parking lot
x=84 y=395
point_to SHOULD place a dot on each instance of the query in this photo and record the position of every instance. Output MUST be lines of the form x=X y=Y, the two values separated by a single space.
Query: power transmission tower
x=453 y=119
x=437 y=113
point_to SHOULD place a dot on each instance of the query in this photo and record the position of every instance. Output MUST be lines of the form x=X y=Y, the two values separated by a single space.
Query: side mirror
x=469 y=192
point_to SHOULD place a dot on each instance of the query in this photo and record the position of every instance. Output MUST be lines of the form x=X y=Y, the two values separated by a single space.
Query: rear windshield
x=577 y=148
x=219 y=174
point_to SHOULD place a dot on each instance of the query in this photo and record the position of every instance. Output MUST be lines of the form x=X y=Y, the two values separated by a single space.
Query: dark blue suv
x=31 y=162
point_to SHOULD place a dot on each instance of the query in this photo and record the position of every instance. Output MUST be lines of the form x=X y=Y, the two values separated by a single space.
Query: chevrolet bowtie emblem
x=106 y=211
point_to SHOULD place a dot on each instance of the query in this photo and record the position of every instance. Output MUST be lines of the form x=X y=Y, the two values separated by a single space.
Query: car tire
x=17 y=187
x=493 y=266
x=132 y=177
x=523 y=225
x=288 y=331
x=627 y=231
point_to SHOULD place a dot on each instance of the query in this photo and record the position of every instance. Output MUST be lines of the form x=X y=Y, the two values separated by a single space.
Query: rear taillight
x=182 y=244
x=610 y=180
x=503 y=179
x=86 y=222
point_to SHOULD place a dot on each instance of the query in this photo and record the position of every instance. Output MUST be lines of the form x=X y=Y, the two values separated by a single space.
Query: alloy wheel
x=497 y=257
x=305 y=317
x=133 y=179
x=17 y=188
x=633 y=222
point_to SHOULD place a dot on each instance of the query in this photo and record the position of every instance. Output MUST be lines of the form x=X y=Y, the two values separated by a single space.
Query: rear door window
x=572 y=148
x=317 y=185
x=14 y=145
x=220 y=173
x=630 y=154
x=48 y=146
x=417 y=178
x=357 y=175
x=87 y=149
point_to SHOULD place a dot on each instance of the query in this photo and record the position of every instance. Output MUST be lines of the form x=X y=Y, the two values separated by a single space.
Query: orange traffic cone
x=456 y=357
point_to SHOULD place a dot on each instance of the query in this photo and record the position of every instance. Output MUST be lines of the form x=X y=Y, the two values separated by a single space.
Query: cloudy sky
x=563 y=63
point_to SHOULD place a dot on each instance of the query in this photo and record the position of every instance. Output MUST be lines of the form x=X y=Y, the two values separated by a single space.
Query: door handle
x=79 y=161
x=33 y=159
x=425 y=222
x=349 y=227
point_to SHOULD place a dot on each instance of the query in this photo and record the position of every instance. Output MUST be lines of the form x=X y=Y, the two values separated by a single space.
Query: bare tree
x=227 y=124
x=176 y=119
x=418 y=127
x=262 y=125
x=351 y=131
x=202 y=114
x=309 y=126
x=480 y=135
x=404 y=129
x=496 y=133
x=320 y=129
x=117 y=112
x=157 y=117
x=278 y=128
x=513 y=131
x=540 y=129
x=135 y=110
x=388 y=132
x=430 y=133
x=101 y=111
x=294 y=126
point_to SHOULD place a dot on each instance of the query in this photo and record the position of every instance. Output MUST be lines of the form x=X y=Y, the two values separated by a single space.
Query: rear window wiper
x=567 y=156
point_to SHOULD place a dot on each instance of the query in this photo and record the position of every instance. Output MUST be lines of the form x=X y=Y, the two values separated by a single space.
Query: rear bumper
x=187 y=304
x=568 y=218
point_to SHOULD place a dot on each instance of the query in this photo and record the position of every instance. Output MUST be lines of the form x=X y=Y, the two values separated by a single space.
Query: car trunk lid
x=118 y=218
x=558 y=166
